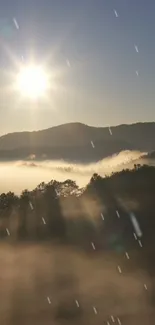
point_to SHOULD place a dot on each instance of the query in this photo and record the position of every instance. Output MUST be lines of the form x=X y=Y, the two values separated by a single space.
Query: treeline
x=95 y=216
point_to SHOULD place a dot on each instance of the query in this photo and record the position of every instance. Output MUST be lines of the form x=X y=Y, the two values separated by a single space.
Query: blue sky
x=99 y=86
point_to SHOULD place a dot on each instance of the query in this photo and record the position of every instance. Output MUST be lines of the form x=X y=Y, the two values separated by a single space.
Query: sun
x=32 y=82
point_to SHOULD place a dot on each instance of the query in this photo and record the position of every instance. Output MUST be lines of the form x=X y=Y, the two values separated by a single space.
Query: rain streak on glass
x=110 y=131
x=8 y=232
x=116 y=13
x=135 y=236
x=93 y=245
x=127 y=256
x=31 y=205
x=119 y=322
x=68 y=63
x=48 y=299
x=119 y=269
x=112 y=318
x=140 y=243
x=16 y=23
x=136 y=48
x=92 y=143
x=44 y=222
x=77 y=303
x=95 y=310
x=145 y=286
x=118 y=215
x=136 y=225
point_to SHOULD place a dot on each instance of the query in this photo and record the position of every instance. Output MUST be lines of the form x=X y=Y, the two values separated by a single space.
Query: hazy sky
x=101 y=78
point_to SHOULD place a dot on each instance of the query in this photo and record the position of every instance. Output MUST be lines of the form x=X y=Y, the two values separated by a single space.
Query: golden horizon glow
x=32 y=82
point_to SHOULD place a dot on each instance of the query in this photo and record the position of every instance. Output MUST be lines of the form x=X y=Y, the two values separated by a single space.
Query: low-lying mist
x=19 y=175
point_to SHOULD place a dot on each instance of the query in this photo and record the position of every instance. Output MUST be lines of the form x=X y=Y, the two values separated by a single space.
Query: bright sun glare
x=32 y=82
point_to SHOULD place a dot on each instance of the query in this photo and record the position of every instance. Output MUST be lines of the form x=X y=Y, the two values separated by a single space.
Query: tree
x=23 y=211
x=56 y=222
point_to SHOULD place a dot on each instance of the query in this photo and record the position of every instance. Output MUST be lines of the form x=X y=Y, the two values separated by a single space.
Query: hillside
x=72 y=142
x=94 y=255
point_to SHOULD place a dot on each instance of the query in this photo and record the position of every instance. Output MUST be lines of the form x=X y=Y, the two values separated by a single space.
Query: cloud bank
x=16 y=176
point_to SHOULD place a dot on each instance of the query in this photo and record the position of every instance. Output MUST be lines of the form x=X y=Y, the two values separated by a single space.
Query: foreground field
x=55 y=285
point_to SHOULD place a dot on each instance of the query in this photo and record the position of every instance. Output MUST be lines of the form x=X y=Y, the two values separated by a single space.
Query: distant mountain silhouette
x=78 y=142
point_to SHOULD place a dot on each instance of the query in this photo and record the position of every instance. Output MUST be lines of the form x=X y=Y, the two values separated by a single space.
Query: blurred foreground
x=46 y=284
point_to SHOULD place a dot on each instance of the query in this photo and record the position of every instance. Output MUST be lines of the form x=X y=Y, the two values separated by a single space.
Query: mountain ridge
x=78 y=142
x=79 y=123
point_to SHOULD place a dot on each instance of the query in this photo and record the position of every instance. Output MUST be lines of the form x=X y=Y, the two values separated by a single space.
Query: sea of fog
x=19 y=175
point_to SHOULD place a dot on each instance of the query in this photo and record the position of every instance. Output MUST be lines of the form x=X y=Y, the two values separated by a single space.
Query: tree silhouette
x=23 y=212
x=41 y=212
